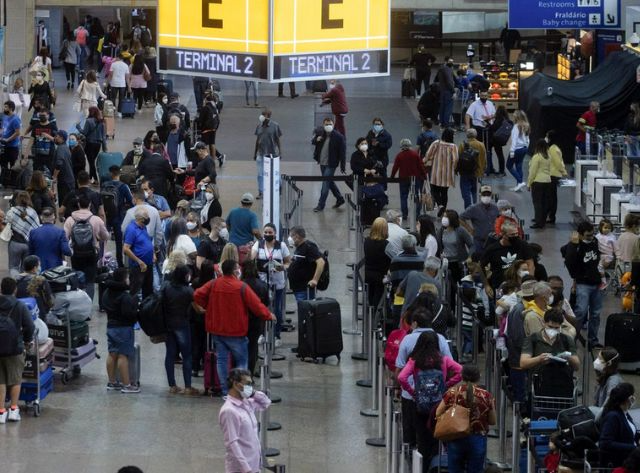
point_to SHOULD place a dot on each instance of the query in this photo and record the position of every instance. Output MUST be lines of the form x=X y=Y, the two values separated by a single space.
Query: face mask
x=522 y=274
x=43 y=119
x=237 y=274
x=377 y=128
x=400 y=221
x=552 y=332
x=165 y=100
x=146 y=221
x=331 y=86
x=507 y=213
x=290 y=241
x=477 y=278
x=209 y=196
x=146 y=195
x=599 y=365
x=513 y=239
x=247 y=391
x=587 y=241
x=485 y=199
x=551 y=299
x=363 y=147
x=269 y=238
x=191 y=225
x=546 y=140
x=7 y=112
x=174 y=126
x=224 y=233
x=72 y=143
x=483 y=100
x=445 y=222
x=328 y=128
x=262 y=118
x=137 y=149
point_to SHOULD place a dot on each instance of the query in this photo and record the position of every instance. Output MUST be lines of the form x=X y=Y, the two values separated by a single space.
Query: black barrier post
x=264 y=416
x=356 y=284
x=368 y=335
x=515 y=438
x=377 y=380
x=366 y=328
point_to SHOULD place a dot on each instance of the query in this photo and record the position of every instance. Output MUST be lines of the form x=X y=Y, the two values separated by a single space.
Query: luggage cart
x=548 y=407
x=33 y=391
x=538 y=435
x=596 y=461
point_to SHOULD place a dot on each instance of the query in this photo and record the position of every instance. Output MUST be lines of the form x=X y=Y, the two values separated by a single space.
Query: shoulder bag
x=426 y=199
x=454 y=423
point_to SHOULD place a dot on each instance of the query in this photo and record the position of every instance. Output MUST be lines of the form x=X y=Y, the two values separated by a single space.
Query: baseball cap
x=526 y=290
x=504 y=204
x=137 y=141
x=247 y=198
x=198 y=145
x=484 y=189
x=62 y=134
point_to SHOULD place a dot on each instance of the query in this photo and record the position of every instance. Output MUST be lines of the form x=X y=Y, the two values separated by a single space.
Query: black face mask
x=7 y=112
x=449 y=64
x=269 y=238
x=483 y=100
x=513 y=239
x=174 y=126
x=558 y=295
x=146 y=221
x=43 y=119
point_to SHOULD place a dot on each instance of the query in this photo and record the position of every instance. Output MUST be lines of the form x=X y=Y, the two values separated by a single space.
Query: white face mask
x=208 y=196
x=400 y=221
x=445 y=221
x=485 y=199
x=247 y=391
x=507 y=213
x=237 y=274
x=262 y=118
x=137 y=149
x=551 y=299
x=523 y=273
x=224 y=234
x=363 y=147
x=165 y=100
x=146 y=194
x=552 y=332
x=191 y=225
x=331 y=86
x=599 y=365
x=290 y=241
x=328 y=128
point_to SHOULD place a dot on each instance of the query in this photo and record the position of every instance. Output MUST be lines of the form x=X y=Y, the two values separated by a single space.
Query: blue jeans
x=589 y=301
x=178 y=340
x=302 y=295
x=467 y=455
x=238 y=347
x=278 y=296
x=446 y=107
x=405 y=188
x=328 y=171
x=260 y=169
x=248 y=85
x=514 y=165
x=633 y=147
x=469 y=190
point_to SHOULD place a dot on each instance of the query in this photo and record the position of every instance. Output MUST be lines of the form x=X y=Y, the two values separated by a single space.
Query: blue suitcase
x=128 y=107
x=29 y=390
x=104 y=162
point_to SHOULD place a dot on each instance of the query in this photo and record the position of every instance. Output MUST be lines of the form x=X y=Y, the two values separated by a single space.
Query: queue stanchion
x=489 y=372
x=502 y=429
x=366 y=327
x=515 y=438
x=385 y=405
x=412 y=203
x=416 y=461
x=389 y=392
x=586 y=369
x=268 y=338
x=264 y=416
x=405 y=451
x=475 y=339
x=396 y=441
x=275 y=356
x=459 y=335
x=377 y=376
x=355 y=296
x=369 y=335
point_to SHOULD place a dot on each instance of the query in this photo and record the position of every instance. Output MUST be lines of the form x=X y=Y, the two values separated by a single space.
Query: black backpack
x=151 y=314
x=212 y=121
x=82 y=238
x=503 y=133
x=110 y=199
x=429 y=139
x=467 y=161
x=325 y=279
x=145 y=37
x=9 y=335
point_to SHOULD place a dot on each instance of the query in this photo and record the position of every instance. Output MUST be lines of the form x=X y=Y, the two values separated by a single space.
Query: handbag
x=6 y=233
x=426 y=199
x=146 y=75
x=454 y=423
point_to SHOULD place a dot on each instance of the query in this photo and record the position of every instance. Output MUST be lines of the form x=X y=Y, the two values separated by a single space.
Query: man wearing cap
x=242 y=223
x=138 y=154
x=408 y=164
x=469 y=181
x=478 y=219
x=62 y=168
x=205 y=172
x=329 y=152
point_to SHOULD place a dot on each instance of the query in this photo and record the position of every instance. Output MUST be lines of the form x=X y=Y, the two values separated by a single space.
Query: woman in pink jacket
x=425 y=361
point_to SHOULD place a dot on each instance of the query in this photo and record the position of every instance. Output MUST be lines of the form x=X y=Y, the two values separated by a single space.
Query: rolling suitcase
x=211 y=380
x=128 y=107
x=104 y=162
x=134 y=367
x=622 y=333
x=79 y=334
x=46 y=357
x=408 y=88
x=319 y=329
x=369 y=210
x=110 y=127
x=80 y=356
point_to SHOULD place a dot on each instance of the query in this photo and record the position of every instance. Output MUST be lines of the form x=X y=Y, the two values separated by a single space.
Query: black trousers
x=553 y=198
x=292 y=89
x=423 y=76
x=141 y=280
x=440 y=195
x=540 y=195
x=70 y=72
x=416 y=433
x=92 y=150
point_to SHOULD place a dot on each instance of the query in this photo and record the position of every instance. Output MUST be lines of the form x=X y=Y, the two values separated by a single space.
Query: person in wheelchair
x=551 y=357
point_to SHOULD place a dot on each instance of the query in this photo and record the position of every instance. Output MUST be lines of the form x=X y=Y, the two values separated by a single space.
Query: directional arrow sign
x=564 y=14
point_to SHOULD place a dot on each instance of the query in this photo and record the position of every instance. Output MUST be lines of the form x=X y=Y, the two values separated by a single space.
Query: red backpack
x=393 y=346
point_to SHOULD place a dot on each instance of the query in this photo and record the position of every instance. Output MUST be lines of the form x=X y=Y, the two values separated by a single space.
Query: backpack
x=324 y=280
x=213 y=118
x=64 y=51
x=503 y=133
x=110 y=199
x=82 y=238
x=429 y=137
x=9 y=335
x=392 y=347
x=467 y=161
x=151 y=314
x=429 y=389
x=145 y=37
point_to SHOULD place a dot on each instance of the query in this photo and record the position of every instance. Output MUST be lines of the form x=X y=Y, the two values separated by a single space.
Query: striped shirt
x=21 y=226
x=444 y=157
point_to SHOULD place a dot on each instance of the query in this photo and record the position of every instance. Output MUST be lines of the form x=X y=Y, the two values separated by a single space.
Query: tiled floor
x=85 y=428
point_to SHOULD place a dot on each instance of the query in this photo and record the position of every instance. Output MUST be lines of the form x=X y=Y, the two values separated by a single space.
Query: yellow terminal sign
x=309 y=38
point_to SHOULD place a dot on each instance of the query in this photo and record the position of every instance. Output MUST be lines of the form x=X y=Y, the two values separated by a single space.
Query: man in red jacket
x=226 y=302
x=338 y=100
x=408 y=164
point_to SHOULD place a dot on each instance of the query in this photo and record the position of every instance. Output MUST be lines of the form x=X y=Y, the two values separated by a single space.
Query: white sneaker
x=261 y=340
x=521 y=186
x=278 y=343
x=130 y=389
x=119 y=115
x=14 y=415
x=3 y=417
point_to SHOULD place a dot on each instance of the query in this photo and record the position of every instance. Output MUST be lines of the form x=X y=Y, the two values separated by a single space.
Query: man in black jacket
x=12 y=349
x=174 y=107
x=120 y=307
x=329 y=152
x=582 y=258
x=447 y=87
x=422 y=61
x=157 y=170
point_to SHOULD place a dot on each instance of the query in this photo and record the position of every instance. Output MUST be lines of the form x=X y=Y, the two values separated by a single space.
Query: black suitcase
x=319 y=329
x=622 y=332
x=165 y=86
x=408 y=88
x=79 y=334
x=62 y=279
x=369 y=210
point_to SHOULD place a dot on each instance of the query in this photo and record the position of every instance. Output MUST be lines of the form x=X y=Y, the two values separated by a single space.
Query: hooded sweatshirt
x=582 y=261
x=21 y=318
x=119 y=304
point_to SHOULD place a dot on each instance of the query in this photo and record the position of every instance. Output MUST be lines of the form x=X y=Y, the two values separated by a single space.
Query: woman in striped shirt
x=22 y=218
x=441 y=161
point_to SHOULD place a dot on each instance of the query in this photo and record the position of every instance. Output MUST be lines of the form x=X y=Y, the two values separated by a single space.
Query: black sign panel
x=196 y=61
x=356 y=63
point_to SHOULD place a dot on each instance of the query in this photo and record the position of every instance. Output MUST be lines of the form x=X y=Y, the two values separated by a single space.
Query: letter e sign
x=327 y=21
x=207 y=21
